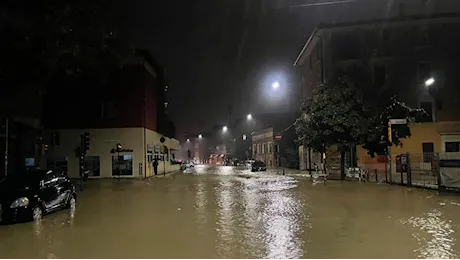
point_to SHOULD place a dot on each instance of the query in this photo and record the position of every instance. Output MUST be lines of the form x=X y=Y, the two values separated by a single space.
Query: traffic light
x=390 y=139
x=85 y=141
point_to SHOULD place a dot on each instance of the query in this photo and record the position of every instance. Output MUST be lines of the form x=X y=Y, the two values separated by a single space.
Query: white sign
x=398 y=121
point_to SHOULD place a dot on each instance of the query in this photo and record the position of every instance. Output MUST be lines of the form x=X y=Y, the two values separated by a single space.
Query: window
x=428 y=107
x=254 y=149
x=452 y=147
x=264 y=148
x=122 y=165
x=379 y=75
x=50 y=178
x=108 y=109
x=270 y=147
x=422 y=37
x=258 y=148
x=428 y=150
x=423 y=71
x=55 y=140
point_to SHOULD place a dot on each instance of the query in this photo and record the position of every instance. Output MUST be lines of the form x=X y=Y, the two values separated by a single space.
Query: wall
x=260 y=138
x=436 y=133
x=101 y=142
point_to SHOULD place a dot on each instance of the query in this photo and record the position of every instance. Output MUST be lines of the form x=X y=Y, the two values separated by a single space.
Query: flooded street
x=223 y=212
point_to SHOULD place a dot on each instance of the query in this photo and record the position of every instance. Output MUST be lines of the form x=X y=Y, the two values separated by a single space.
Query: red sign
x=278 y=137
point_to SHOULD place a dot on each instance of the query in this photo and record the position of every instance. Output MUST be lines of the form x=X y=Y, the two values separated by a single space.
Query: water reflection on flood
x=434 y=235
x=226 y=212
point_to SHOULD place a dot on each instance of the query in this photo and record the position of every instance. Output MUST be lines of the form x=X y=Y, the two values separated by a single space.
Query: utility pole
x=6 y=146
x=390 y=140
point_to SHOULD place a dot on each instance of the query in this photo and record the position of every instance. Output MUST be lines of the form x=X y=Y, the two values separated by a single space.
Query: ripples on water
x=223 y=212
x=270 y=219
x=434 y=235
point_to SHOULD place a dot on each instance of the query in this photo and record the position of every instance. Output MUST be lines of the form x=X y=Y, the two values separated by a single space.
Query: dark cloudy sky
x=220 y=53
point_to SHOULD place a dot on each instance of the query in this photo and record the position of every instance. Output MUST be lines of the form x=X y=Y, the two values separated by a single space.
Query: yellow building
x=426 y=139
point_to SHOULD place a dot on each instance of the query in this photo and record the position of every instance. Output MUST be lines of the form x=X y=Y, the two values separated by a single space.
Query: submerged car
x=258 y=166
x=32 y=194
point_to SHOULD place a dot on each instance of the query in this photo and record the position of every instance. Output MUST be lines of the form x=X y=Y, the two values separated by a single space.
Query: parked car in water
x=258 y=166
x=32 y=194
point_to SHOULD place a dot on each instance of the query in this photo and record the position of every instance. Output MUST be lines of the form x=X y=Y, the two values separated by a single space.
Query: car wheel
x=72 y=202
x=37 y=213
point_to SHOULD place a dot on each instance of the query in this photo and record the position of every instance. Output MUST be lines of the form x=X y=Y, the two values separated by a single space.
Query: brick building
x=130 y=110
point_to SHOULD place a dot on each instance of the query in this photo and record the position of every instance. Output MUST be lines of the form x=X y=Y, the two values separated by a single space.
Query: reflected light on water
x=225 y=223
x=201 y=203
x=280 y=218
x=434 y=235
x=253 y=201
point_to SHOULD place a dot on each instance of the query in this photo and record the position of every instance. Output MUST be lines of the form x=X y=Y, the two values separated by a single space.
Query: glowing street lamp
x=224 y=129
x=188 y=140
x=200 y=136
x=275 y=85
x=429 y=82
x=249 y=117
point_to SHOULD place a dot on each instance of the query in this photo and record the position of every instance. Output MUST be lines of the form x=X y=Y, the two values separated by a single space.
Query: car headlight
x=21 y=202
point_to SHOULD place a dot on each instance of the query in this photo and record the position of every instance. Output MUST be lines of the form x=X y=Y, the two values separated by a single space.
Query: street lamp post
x=429 y=82
x=248 y=118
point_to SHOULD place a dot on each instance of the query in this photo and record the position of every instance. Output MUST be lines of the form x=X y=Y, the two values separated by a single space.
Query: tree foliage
x=45 y=37
x=350 y=110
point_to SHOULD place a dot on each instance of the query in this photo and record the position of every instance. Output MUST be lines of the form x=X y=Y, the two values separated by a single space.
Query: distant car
x=186 y=165
x=258 y=166
x=32 y=194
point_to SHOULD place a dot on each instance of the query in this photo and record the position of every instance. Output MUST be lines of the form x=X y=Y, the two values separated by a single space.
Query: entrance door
x=122 y=165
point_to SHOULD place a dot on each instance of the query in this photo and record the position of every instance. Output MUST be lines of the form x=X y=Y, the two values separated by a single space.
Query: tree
x=351 y=111
x=45 y=38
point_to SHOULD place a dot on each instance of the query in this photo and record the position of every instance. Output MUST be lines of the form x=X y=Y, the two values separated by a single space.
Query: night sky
x=226 y=53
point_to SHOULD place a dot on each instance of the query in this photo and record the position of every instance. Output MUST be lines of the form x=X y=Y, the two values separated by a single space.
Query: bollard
x=376 y=176
x=283 y=172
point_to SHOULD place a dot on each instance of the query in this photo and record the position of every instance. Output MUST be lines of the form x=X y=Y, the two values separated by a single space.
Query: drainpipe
x=144 y=133
x=6 y=146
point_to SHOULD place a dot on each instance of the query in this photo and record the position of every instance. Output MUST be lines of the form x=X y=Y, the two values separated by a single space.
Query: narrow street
x=225 y=212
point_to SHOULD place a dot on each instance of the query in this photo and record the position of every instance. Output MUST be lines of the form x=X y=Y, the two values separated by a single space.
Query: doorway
x=122 y=165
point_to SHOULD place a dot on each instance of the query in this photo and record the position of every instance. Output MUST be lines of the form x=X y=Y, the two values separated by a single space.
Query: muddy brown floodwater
x=222 y=212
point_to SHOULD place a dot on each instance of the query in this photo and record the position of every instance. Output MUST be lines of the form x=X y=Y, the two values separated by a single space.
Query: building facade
x=401 y=54
x=129 y=110
x=263 y=146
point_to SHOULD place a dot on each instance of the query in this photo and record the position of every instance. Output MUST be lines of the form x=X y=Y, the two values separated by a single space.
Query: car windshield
x=24 y=178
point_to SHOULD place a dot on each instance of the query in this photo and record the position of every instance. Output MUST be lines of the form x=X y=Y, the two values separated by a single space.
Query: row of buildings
x=245 y=138
x=402 y=52
x=130 y=109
